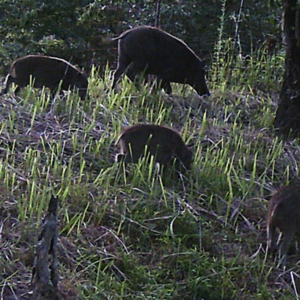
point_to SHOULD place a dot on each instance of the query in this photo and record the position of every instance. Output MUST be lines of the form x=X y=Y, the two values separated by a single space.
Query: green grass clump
x=126 y=233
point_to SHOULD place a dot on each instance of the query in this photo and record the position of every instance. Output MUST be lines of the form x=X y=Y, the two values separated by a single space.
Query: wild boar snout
x=199 y=81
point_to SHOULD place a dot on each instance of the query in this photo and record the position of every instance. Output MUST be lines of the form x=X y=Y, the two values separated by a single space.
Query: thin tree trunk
x=287 y=119
x=157 y=14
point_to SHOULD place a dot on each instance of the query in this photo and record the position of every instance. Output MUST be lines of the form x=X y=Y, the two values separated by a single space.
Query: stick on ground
x=45 y=271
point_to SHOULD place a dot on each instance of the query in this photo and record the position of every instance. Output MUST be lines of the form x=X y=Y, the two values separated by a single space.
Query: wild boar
x=164 y=144
x=149 y=50
x=284 y=214
x=46 y=71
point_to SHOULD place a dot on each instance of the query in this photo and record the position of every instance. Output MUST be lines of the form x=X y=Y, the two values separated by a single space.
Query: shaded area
x=287 y=119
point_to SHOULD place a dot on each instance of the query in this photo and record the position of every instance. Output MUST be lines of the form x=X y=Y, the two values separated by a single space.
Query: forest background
x=75 y=30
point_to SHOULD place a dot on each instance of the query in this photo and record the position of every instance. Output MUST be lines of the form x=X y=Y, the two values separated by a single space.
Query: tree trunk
x=287 y=119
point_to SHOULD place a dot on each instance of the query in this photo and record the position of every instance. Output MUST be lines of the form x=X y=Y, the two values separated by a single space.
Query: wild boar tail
x=108 y=39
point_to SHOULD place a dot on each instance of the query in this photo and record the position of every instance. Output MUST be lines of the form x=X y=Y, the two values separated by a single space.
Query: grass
x=135 y=236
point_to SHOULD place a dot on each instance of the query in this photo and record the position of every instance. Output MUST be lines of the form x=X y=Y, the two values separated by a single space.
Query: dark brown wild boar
x=46 y=71
x=150 y=50
x=284 y=214
x=165 y=144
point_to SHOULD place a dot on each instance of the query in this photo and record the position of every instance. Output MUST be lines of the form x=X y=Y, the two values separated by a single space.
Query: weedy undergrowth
x=125 y=232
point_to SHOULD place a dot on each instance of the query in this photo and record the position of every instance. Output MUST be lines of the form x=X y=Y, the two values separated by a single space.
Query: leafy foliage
x=74 y=29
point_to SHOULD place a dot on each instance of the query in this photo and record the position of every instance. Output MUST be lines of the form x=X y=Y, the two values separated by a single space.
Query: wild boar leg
x=137 y=67
x=167 y=76
x=272 y=243
x=123 y=63
x=8 y=81
x=54 y=88
x=131 y=73
x=53 y=92
x=286 y=241
x=17 y=90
